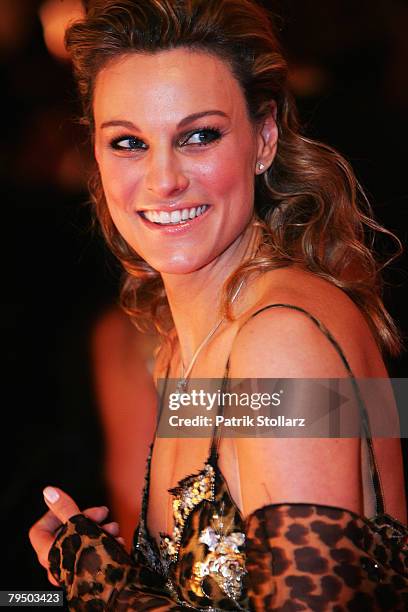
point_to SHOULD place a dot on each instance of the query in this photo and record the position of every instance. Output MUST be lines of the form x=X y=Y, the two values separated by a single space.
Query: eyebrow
x=182 y=123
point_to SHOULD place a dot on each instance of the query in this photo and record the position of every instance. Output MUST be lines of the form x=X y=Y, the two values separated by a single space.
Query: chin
x=179 y=268
x=177 y=265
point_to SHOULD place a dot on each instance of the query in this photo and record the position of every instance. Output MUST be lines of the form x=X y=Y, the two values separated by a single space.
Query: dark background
x=349 y=75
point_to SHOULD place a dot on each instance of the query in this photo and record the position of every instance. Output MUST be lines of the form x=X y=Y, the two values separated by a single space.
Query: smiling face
x=177 y=155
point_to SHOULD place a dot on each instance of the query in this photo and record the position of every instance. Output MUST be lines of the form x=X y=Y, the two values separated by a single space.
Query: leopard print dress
x=282 y=557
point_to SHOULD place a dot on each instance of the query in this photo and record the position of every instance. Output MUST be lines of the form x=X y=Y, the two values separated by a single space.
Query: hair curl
x=310 y=206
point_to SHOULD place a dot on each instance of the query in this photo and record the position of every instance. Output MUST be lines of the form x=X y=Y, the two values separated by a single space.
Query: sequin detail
x=225 y=561
x=190 y=492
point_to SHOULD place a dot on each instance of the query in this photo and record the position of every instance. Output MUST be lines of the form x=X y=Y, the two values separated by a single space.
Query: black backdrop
x=349 y=76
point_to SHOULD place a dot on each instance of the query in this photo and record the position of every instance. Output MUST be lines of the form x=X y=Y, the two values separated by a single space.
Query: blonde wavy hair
x=310 y=207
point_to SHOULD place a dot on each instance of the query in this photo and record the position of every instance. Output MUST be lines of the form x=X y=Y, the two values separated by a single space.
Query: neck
x=195 y=298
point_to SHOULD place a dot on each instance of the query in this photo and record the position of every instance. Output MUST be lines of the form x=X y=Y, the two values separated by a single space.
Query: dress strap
x=216 y=432
x=375 y=476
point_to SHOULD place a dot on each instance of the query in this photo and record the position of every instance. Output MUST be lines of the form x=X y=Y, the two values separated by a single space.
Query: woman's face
x=177 y=155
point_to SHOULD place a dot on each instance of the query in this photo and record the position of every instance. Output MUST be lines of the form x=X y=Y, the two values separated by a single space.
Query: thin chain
x=181 y=385
x=204 y=342
x=185 y=374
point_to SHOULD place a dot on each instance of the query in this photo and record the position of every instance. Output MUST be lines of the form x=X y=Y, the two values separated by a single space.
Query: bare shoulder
x=284 y=342
x=291 y=340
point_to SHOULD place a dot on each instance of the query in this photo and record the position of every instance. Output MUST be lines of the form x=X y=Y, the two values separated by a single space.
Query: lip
x=174 y=229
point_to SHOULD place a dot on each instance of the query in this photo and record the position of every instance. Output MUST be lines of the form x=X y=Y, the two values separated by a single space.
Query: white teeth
x=176 y=216
x=150 y=215
x=164 y=217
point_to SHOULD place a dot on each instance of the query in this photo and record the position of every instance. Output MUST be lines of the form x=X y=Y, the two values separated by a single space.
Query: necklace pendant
x=181 y=385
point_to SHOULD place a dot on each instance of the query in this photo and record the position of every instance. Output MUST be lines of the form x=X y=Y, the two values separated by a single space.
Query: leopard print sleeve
x=97 y=573
x=312 y=557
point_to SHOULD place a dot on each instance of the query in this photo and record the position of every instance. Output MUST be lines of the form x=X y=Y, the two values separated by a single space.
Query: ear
x=267 y=139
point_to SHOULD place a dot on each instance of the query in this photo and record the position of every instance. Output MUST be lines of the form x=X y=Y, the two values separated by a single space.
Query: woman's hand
x=61 y=508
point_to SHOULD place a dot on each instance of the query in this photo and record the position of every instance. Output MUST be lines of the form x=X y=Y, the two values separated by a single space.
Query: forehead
x=166 y=86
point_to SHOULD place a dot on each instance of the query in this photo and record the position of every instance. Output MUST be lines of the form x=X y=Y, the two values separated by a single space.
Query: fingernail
x=51 y=495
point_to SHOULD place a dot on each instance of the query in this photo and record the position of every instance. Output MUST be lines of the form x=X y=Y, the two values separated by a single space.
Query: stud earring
x=261 y=166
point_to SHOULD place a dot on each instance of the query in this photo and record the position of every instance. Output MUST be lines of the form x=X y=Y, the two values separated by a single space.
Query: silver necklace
x=182 y=383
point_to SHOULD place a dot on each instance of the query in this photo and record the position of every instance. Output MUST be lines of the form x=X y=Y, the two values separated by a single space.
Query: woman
x=243 y=241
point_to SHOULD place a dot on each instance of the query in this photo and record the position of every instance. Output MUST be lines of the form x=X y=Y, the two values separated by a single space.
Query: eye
x=128 y=143
x=201 y=137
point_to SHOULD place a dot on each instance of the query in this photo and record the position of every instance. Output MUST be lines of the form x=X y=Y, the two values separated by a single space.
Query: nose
x=165 y=176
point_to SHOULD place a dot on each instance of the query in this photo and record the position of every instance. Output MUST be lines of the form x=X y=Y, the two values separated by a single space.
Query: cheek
x=228 y=174
x=219 y=178
x=119 y=184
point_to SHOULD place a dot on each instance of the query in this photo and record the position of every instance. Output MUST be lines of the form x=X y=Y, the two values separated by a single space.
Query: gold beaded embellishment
x=225 y=563
x=190 y=492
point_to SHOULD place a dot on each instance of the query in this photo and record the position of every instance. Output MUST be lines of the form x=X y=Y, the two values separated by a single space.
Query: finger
x=60 y=503
x=121 y=541
x=52 y=579
x=48 y=522
x=97 y=514
x=42 y=535
x=112 y=528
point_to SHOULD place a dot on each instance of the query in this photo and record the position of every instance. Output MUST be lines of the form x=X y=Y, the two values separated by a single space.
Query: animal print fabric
x=312 y=557
x=97 y=573
x=298 y=557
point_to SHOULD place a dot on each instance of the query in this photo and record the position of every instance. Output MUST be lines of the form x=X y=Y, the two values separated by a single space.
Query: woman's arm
x=316 y=557
x=307 y=544
x=126 y=400
x=285 y=343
